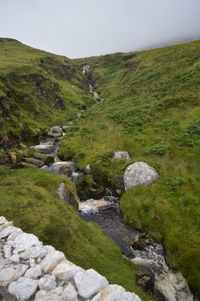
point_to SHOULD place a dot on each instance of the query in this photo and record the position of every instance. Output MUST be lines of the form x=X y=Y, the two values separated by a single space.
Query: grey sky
x=78 y=28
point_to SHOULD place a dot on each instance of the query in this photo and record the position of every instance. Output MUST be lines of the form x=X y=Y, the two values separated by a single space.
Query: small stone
x=51 y=260
x=3 y=220
x=89 y=283
x=47 y=296
x=5 y=225
x=34 y=273
x=121 y=155
x=7 y=231
x=70 y=294
x=23 y=288
x=24 y=241
x=115 y=292
x=66 y=270
x=11 y=273
x=14 y=234
x=47 y=283
x=36 y=252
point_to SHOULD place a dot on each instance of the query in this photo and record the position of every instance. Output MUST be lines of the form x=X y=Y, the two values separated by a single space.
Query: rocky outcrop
x=139 y=173
x=31 y=271
x=67 y=196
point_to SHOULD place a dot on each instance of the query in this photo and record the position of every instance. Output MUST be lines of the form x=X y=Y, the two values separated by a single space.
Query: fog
x=79 y=28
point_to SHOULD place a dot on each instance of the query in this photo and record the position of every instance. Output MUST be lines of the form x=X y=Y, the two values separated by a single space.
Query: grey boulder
x=139 y=173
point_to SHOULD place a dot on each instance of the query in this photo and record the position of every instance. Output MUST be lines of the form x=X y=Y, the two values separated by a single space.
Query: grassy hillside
x=37 y=89
x=151 y=109
x=34 y=206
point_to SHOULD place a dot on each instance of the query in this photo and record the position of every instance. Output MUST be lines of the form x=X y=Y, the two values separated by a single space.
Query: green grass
x=37 y=90
x=152 y=110
x=28 y=196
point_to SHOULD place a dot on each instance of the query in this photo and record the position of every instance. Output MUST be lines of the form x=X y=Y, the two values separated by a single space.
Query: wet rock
x=63 y=168
x=51 y=260
x=55 y=131
x=139 y=173
x=93 y=206
x=89 y=283
x=121 y=155
x=45 y=158
x=34 y=161
x=66 y=270
x=23 y=288
x=67 y=196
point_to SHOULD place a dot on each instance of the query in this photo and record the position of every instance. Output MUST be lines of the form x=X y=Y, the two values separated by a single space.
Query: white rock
x=11 y=273
x=58 y=290
x=24 y=241
x=55 y=131
x=34 y=273
x=116 y=293
x=47 y=296
x=15 y=258
x=7 y=231
x=51 y=260
x=5 y=225
x=14 y=234
x=23 y=288
x=47 y=283
x=89 y=283
x=111 y=292
x=36 y=252
x=8 y=249
x=70 y=294
x=3 y=220
x=139 y=173
x=66 y=270
x=121 y=155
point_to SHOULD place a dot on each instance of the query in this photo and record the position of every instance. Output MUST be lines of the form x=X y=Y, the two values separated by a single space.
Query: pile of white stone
x=31 y=271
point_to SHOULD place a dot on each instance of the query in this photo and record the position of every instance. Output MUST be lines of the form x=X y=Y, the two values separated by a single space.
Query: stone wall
x=31 y=271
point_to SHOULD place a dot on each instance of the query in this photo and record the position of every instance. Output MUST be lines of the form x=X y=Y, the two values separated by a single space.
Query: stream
x=153 y=273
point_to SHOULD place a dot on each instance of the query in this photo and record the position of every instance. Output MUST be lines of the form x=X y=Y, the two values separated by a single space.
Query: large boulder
x=139 y=173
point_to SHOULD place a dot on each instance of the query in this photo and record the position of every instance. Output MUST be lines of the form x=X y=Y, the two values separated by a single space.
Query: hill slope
x=151 y=109
x=37 y=89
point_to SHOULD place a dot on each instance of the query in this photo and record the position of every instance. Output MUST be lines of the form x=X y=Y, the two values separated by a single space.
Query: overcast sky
x=79 y=28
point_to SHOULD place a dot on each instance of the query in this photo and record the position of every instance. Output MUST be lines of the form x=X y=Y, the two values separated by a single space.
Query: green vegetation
x=34 y=206
x=151 y=109
x=37 y=90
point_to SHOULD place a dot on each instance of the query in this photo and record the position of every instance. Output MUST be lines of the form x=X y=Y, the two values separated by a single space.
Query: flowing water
x=106 y=213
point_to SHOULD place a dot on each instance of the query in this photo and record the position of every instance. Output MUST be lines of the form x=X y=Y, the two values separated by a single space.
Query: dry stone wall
x=31 y=271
